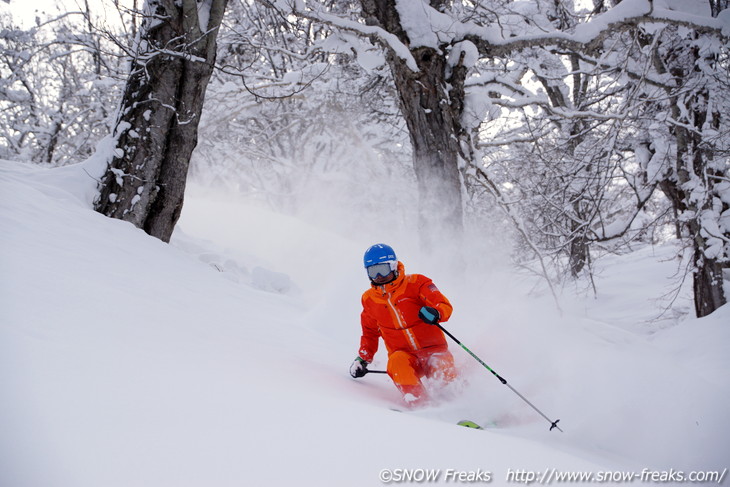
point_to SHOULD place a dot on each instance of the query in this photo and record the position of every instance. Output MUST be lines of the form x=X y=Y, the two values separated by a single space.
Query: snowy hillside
x=221 y=360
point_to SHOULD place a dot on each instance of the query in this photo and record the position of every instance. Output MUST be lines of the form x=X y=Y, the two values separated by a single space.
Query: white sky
x=24 y=11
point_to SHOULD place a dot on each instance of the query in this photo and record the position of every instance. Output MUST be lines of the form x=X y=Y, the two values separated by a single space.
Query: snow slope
x=221 y=360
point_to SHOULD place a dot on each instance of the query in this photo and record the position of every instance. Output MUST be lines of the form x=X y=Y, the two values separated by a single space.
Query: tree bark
x=432 y=101
x=692 y=167
x=157 y=126
x=691 y=184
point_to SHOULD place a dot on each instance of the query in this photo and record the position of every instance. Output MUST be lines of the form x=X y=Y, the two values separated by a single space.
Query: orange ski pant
x=407 y=368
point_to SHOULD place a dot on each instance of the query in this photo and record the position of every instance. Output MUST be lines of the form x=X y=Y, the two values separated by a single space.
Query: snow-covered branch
x=589 y=36
x=385 y=38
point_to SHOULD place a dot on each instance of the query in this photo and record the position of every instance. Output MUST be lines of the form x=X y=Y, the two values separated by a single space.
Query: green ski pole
x=553 y=424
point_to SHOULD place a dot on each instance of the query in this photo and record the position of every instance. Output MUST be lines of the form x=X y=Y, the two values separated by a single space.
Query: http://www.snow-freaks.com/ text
x=548 y=476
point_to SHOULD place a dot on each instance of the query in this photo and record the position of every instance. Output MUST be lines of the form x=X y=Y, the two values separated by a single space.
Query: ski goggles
x=382 y=269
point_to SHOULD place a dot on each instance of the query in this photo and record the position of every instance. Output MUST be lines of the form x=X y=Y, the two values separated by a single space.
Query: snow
x=204 y=14
x=222 y=359
x=420 y=22
x=468 y=49
x=349 y=25
x=723 y=19
x=368 y=56
x=691 y=11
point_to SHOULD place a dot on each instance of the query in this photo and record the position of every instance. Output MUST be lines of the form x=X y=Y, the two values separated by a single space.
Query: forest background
x=568 y=130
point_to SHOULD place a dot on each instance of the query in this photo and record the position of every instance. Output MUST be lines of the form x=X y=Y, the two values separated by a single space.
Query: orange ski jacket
x=390 y=312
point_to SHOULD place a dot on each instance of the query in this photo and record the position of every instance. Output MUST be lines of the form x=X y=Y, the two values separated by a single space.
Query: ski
x=465 y=423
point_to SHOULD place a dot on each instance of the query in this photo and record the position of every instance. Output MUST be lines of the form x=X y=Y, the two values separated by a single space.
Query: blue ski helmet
x=379 y=253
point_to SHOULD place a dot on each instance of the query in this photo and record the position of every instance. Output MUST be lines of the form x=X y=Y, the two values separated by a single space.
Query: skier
x=402 y=309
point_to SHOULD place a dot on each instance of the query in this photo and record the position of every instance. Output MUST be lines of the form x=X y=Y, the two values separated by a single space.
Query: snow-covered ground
x=222 y=359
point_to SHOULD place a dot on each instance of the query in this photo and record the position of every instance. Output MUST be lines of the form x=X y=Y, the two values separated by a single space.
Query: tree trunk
x=157 y=126
x=692 y=184
x=431 y=101
x=707 y=283
x=692 y=168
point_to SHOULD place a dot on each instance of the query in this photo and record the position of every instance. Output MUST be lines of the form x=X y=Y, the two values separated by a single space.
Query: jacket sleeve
x=431 y=296
x=370 y=336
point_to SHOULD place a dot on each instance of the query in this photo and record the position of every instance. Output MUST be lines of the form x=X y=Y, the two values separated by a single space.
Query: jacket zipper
x=402 y=326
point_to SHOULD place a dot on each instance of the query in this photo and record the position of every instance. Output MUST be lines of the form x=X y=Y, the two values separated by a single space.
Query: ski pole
x=553 y=424
x=368 y=371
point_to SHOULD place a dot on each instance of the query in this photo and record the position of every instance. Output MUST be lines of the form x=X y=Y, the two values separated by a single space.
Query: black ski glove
x=358 y=368
x=429 y=315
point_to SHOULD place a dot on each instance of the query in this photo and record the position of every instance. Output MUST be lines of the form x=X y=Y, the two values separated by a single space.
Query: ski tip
x=469 y=424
